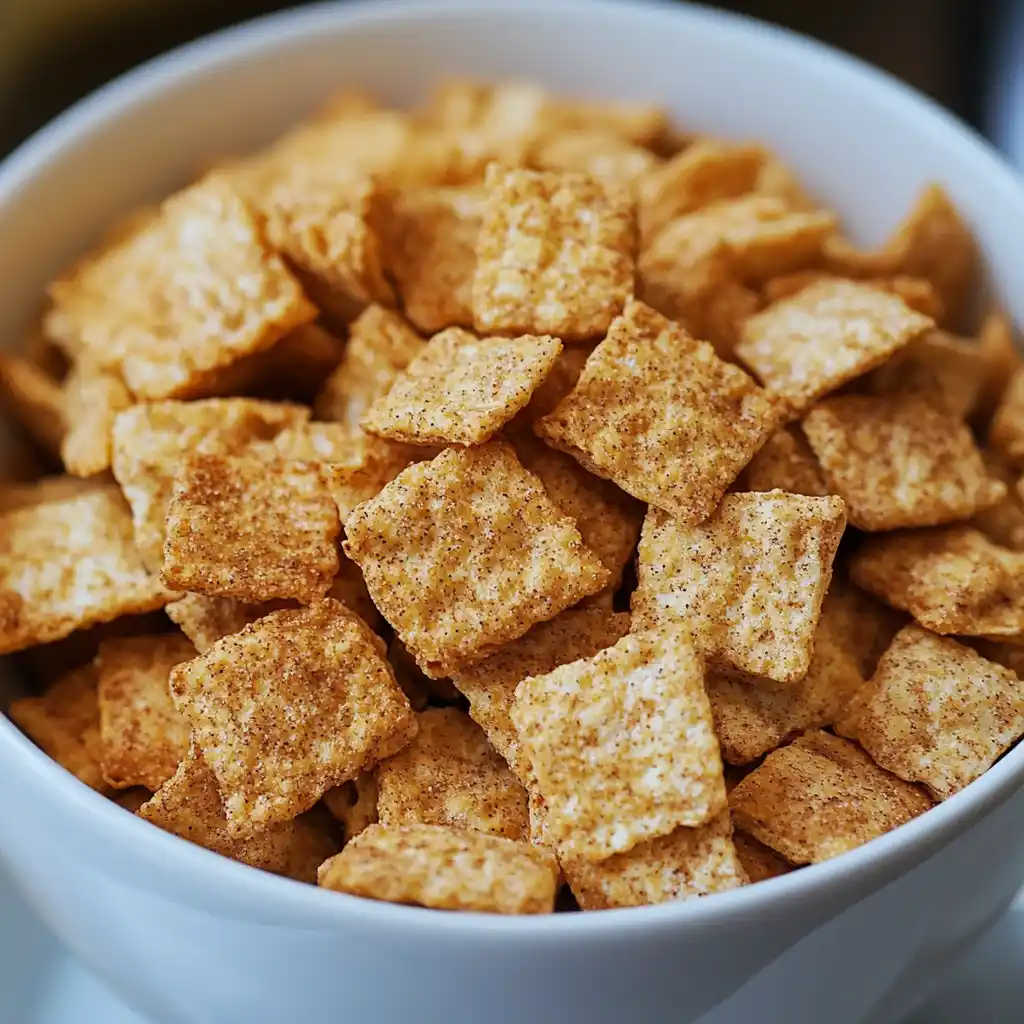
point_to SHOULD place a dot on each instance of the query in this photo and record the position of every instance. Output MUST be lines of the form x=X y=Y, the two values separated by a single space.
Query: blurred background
x=960 y=52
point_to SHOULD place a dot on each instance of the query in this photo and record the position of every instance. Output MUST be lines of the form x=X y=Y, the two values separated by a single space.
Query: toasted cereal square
x=554 y=254
x=898 y=461
x=186 y=295
x=821 y=796
x=759 y=862
x=749 y=583
x=143 y=736
x=1006 y=432
x=91 y=400
x=490 y=685
x=686 y=863
x=622 y=745
x=294 y=704
x=69 y=564
x=952 y=580
x=33 y=400
x=1003 y=522
x=450 y=775
x=804 y=347
x=461 y=389
x=998 y=348
x=786 y=463
x=465 y=553
x=251 y=530
x=937 y=712
x=447 y=869
x=354 y=803
x=205 y=620
x=65 y=723
x=150 y=440
x=662 y=416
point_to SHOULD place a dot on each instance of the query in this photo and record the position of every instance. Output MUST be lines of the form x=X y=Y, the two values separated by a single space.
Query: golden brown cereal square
x=686 y=863
x=33 y=400
x=1006 y=432
x=91 y=400
x=804 y=347
x=189 y=293
x=450 y=775
x=150 y=440
x=251 y=530
x=465 y=553
x=821 y=796
x=143 y=736
x=937 y=712
x=749 y=583
x=65 y=723
x=786 y=463
x=659 y=414
x=490 y=685
x=354 y=803
x=622 y=745
x=461 y=389
x=297 y=702
x=554 y=254
x=68 y=564
x=759 y=862
x=446 y=869
x=898 y=461
x=204 y=620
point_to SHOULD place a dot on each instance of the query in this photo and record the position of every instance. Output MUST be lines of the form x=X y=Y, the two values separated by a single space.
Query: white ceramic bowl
x=190 y=937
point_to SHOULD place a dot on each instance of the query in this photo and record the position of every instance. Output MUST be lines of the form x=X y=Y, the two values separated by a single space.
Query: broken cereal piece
x=354 y=803
x=33 y=400
x=90 y=401
x=446 y=869
x=786 y=463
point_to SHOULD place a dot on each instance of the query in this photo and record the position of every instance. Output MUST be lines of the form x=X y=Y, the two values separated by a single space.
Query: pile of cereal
x=513 y=496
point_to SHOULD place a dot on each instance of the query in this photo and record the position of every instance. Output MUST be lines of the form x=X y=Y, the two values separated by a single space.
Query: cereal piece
x=150 y=440
x=1003 y=522
x=45 y=489
x=917 y=293
x=554 y=255
x=661 y=415
x=952 y=580
x=936 y=712
x=294 y=704
x=68 y=564
x=65 y=723
x=144 y=739
x=806 y=346
x=864 y=625
x=431 y=252
x=897 y=461
x=430 y=866
x=375 y=465
x=205 y=620
x=554 y=387
x=490 y=685
x=821 y=796
x=997 y=347
x=461 y=389
x=91 y=401
x=183 y=297
x=251 y=530
x=1006 y=432
x=33 y=400
x=759 y=862
x=749 y=583
x=450 y=775
x=354 y=803
x=465 y=553
x=597 y=152
x=622 y=745
x=684 y=864
x=786 y=463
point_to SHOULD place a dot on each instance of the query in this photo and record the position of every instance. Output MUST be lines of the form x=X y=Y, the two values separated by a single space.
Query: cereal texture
x=786 y=463
x=205 y=620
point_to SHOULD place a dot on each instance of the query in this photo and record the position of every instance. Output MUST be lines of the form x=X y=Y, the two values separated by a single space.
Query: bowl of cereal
x=511 y=514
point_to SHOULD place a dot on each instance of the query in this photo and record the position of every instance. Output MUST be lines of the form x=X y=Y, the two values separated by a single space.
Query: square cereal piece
x=622 y=745
x=461 y=389
x=150 y=440
x=91 y=400
x=554 y=254
x=33 y=400
x=69 y=564
x=490 y=685
x=1006 y=431
x=759 y=862
x=898 y=461
x=205 y=620
x=749 y=583
x=684 y=864
x=446 y=869
x=450 y=775
x=804 y=347
x=997 y=345
x=354 y=803
x=952 y=580
x=936 y=712
x=821 y=796
x=659 y=414
x=251 y=530
x=786 y=463
x=143 y=736
x=465 y=553
x=65 y=723
x=1003 y=522
x=294 y=704
x=189 y=293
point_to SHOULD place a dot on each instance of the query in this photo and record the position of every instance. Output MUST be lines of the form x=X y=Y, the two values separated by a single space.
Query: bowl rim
x=195 y=868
